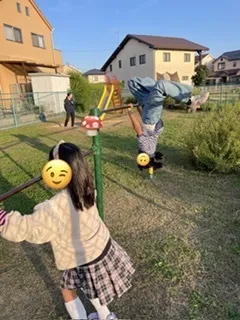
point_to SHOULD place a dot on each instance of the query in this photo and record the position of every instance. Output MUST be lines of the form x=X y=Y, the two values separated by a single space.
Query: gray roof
x=157 y=42
x=231 y=55
x=222 y=73
x=94 y=72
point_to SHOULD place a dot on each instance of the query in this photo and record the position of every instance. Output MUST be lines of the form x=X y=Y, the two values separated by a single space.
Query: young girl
x=82 y=246
x=150 y=94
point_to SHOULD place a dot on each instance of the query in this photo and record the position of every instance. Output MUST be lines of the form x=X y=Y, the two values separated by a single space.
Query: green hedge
x=86 y=95
x=214 y=139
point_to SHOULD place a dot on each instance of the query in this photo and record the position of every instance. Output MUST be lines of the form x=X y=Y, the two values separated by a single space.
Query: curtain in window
x=9 y=33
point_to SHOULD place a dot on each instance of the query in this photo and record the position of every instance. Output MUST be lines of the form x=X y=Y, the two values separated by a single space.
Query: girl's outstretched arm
x=38 y=227
x=135 y=123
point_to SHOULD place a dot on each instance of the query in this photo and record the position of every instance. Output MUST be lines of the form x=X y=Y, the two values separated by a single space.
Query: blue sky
x=88 y=31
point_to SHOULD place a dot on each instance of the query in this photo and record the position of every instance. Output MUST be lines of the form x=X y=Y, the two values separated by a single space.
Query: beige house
x=155 y=57
x=67 y=68
x=95 y=76
x=26 y=45
x=207 y=60
x=226 y=68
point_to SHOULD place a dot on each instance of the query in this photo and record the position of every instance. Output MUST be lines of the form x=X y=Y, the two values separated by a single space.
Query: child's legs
x=176 y=90
x=153 y=108
x=73 y=304
x=140 y=88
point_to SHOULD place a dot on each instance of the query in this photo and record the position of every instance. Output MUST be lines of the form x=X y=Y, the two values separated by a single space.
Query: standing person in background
x=70 y=109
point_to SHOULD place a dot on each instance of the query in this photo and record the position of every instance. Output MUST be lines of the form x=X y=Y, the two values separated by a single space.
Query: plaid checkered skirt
x=106 y=279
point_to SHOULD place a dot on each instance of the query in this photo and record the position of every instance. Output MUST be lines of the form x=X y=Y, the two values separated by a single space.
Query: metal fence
x=219 y=88
x=223 y=93
x=20 y=109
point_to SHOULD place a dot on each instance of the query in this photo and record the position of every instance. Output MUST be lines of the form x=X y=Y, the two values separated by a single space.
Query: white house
x=226 y=68
x=67 y=68
x=207 y=60
x=155 y=57
x=95 y=76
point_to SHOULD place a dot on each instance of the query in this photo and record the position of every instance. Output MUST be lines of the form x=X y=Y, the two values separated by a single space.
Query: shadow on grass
x=14 y=144
x=33 y=142
x=140 y=197
x=173 y=156
x=215 y=204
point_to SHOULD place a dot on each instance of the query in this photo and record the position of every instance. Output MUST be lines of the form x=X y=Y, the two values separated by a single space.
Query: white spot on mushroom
x=84 y=123
x=95 y=125
x=87 y=126
x=96 y=118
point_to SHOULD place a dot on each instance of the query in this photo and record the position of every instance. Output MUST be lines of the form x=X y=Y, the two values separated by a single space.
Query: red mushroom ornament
x=92 y=124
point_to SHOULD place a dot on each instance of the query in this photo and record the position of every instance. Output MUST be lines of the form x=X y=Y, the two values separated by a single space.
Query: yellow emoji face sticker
x=143 y=159
x=57 y=174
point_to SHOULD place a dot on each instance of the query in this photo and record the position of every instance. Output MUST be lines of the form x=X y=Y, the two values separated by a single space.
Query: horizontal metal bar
x=116 y=109
x=19 y=188
x=29 y=183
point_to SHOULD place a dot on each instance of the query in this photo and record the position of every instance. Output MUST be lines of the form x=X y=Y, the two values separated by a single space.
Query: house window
x=132 y=61
x=187 y=57
x=221 y=66
x=27 y=11
x=19 y=9
x=110 y=68
x=38 y=41
x=142 y=59
x=13 y=34
x=95 y=78
x=166 y=56
x=120 y=64
x=185 y=78
x=234 y=64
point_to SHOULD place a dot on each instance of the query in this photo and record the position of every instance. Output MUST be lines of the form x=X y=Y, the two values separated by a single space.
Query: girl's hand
x=130 y=107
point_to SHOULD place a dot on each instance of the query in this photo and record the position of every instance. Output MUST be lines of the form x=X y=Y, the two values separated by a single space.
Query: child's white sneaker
x=94 y=316
x=112 y=316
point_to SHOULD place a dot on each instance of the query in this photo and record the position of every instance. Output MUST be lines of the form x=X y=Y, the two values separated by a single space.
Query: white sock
x=76 y=309
x=103 y=311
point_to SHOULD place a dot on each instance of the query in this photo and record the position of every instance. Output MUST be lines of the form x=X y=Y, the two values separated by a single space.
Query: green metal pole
x=97 y=149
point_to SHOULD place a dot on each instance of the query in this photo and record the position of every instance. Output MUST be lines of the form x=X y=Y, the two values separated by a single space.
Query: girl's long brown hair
x=81 y=187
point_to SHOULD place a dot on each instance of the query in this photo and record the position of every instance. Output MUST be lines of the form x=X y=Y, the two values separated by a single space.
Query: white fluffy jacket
x=77 y=237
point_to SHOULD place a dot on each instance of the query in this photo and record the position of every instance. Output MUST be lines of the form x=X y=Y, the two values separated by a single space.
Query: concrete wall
x=44 y=84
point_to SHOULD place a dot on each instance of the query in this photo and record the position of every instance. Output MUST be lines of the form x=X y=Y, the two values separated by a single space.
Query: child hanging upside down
x=150 y=95
x=83 y=248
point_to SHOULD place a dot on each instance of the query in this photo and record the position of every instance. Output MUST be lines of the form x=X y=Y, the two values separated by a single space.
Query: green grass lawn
x=181 y=229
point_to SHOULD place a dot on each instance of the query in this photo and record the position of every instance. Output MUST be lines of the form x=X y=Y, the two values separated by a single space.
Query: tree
x=202 y=72
x=85 y=94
